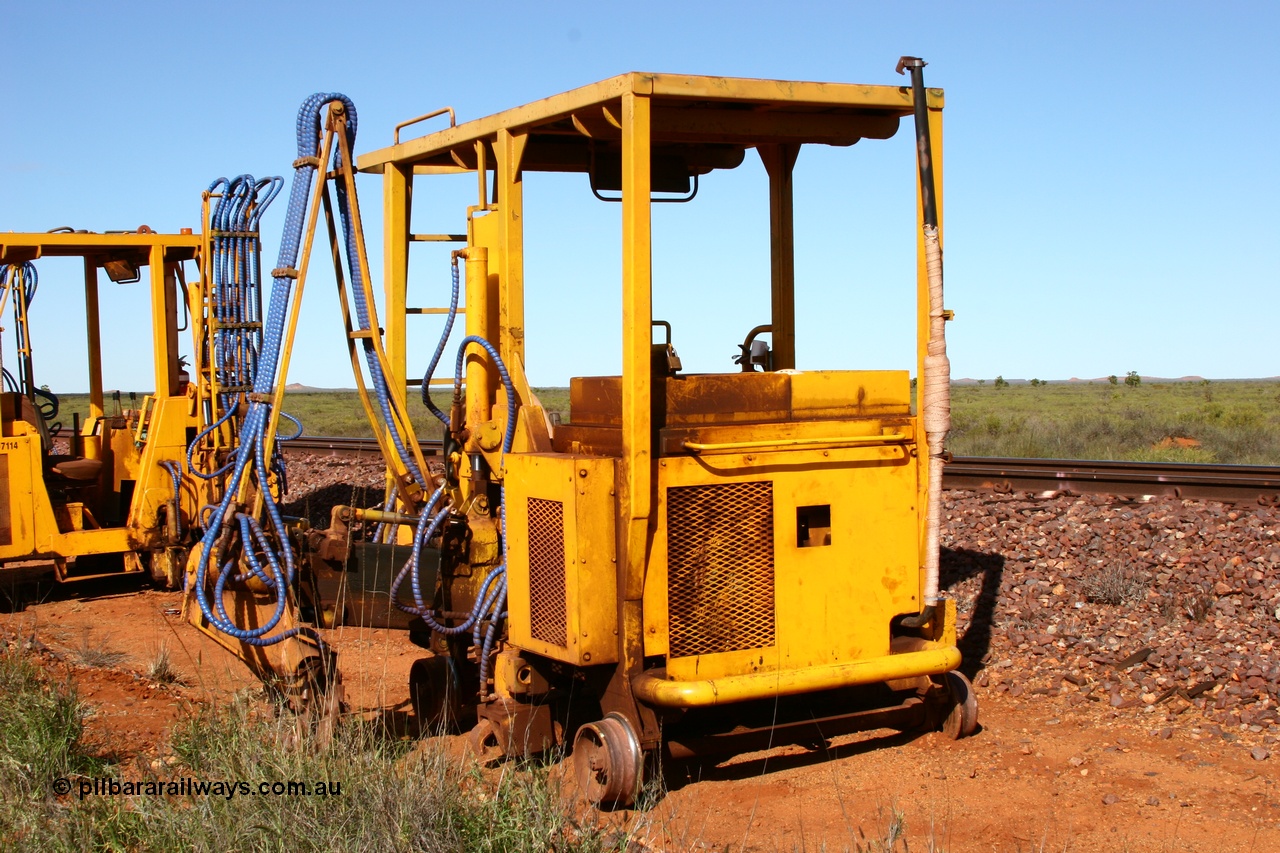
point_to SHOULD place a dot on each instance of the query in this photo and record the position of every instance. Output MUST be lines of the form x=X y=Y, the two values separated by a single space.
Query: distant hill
x=1075 y=380
x=299 y=388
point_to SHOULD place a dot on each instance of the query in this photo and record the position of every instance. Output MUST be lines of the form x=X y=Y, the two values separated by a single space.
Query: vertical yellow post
x=637 y=315
x=164 y=322
x=397 y=204
x=480 y=373
x=93 y=339
x=779 y=160
x=509 y=150
x=635 y=467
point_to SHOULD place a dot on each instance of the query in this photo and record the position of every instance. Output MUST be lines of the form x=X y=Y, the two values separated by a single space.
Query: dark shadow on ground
x=957 y=566
x=678 y=774
x=17 y=592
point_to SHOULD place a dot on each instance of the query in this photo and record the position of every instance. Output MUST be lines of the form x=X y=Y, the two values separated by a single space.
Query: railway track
x=1230 y=483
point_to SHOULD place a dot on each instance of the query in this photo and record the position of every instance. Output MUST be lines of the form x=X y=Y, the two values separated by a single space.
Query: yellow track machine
x=698 y=562
x=106 y=496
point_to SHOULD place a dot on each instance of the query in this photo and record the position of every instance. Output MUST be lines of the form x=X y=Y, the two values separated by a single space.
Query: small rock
x=1153 y=801
x=1110 y=800
x=1259 y=753
x=1166 y=733
x=1075 y=761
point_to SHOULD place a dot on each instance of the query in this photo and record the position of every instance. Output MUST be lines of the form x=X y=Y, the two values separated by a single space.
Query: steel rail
x=1228 y=483
x=347 y=446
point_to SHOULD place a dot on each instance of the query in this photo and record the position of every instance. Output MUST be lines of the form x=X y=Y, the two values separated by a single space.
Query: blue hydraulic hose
x=191 y=448
x=497 y=607
x=21 y=303
x=490 y=601
x=499 y=610
x=382 y=532
x=175 y=474
x=510 y=434
x=427 y=525
x=444 y=339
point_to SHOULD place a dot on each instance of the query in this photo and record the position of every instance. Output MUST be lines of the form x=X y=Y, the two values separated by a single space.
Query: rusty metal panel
x=595 y=400
x=720 y=582
x=727 y=398
x=547 y=607
x=6 y=523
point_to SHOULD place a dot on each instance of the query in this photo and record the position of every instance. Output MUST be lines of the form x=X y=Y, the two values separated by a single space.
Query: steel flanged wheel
x=607 y=762
x=962 y=707
x=436 y=696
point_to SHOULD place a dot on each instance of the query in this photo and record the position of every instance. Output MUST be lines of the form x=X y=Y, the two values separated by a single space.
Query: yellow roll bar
x=887 y=438
x=653 y=687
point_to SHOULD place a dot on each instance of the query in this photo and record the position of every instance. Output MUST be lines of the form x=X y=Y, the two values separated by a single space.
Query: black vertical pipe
x=924 y=148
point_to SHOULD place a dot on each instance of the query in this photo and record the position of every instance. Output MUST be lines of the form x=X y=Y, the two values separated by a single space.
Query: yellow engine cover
x=562 y=556
x=781 y=560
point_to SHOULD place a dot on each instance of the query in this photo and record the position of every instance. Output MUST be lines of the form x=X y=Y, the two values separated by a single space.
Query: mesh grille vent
x=720 y=568
x=547 y=610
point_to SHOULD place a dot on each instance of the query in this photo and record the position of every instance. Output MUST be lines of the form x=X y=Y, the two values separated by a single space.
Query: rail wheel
x=436 y=696
x=961 y=718
x=608 y=762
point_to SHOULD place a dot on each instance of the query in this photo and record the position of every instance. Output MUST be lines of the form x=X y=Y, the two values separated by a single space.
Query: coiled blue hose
x=257 y=547
x=236 y=290
x=235 y=298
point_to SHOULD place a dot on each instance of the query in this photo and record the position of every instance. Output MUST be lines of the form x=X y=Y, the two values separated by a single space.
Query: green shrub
x=41 y=730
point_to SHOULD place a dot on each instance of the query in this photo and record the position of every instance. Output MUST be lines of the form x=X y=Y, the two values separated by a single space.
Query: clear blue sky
x=1110 y=171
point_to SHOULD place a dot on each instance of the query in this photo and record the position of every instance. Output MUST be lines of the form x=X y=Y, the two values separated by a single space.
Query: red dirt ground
x=1037 y=776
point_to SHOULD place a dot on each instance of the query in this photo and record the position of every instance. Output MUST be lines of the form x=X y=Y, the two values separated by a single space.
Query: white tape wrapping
x=935 y=409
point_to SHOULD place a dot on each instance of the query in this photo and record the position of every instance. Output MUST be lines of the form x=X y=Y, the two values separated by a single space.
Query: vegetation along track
x=1229 y=483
